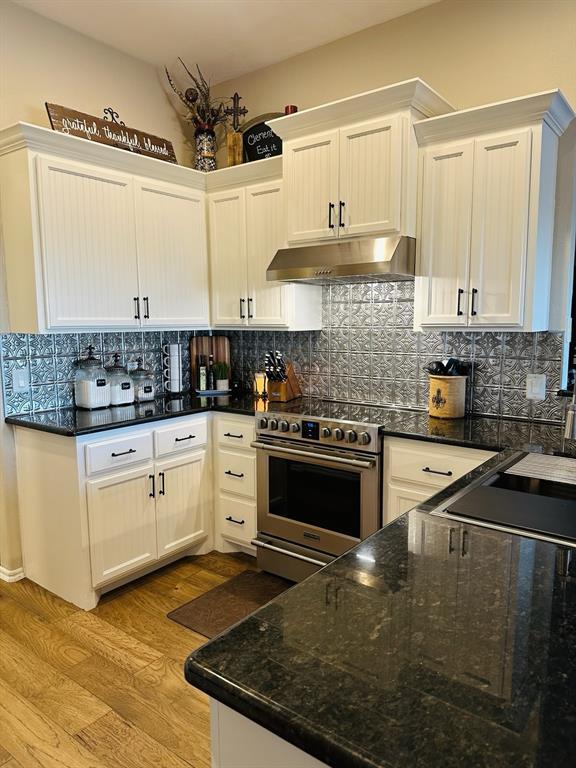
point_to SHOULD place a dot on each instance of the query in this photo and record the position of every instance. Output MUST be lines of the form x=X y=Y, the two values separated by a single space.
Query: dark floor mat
x=228 y=603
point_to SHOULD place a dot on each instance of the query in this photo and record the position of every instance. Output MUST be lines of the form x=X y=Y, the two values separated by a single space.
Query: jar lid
x=140 y=372
x=116 y=366
x=90 y=361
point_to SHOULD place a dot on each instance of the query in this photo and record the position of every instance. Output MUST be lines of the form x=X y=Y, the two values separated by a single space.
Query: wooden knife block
x=284 y=391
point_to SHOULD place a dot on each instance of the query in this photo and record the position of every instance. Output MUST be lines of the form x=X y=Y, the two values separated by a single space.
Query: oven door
x=319 y=498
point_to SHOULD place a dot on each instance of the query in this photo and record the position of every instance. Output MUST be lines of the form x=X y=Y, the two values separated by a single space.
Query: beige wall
x=41 y=61
x=471 y=51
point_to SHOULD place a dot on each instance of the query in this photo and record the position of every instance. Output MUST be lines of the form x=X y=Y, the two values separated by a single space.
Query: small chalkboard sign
x=259 y=139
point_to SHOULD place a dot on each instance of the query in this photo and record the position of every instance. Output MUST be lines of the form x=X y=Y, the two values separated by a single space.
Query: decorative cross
x=236 y=111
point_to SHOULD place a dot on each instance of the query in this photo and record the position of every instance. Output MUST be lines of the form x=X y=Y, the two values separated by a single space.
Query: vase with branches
x=204 y=112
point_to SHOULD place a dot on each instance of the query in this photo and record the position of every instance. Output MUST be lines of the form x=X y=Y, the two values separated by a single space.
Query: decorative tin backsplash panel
x=50 y=359
x=367 y=352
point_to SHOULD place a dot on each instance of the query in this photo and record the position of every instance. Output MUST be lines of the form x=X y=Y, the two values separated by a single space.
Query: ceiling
x=226 y=37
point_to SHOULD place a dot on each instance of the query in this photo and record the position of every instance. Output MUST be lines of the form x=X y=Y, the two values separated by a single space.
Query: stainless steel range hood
x=368 y=259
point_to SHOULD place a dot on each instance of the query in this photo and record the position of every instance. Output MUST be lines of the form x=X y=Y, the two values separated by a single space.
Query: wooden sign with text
x=75 y=123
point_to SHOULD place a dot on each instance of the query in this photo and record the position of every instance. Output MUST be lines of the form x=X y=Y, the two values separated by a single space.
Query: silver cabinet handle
x=264 y=545
x=310 y=454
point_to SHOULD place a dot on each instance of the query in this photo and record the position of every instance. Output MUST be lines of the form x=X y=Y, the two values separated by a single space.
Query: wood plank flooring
x=105 y=689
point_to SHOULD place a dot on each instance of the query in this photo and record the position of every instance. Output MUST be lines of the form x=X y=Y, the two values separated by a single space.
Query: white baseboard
x=15 y=575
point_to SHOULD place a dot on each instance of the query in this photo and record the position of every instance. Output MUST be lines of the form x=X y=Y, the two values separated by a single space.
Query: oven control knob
x=364 y=438
x=295 y=427
x=326 y=431
x=338 y=434
x=263 y=423
x=351 y=436
x=283 y=426
x=273 y=424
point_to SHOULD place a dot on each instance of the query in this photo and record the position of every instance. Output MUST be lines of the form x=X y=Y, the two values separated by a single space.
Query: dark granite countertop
x=406 y=653
x=485 y=432
x=73 y=422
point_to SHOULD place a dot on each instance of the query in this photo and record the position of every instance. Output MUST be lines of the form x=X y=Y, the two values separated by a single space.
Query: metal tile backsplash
x=367 y=352
x=51 y=362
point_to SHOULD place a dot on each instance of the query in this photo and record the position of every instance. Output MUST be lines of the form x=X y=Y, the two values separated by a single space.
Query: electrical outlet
x=536 y=386
x=21 y=379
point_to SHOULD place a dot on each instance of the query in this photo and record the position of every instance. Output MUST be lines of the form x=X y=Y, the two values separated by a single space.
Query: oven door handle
x=264 y=545
x=334 y=459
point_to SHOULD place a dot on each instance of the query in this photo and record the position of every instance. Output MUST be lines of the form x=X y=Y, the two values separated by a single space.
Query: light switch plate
x=21 y=379
x=536 y=386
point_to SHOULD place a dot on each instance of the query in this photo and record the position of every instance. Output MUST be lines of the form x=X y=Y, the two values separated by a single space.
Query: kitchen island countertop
x=409 y=651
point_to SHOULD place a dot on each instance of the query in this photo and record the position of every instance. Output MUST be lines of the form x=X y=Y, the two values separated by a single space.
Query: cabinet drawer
x=180 y=437
x=237 y=473
x=110 y=454
x=236 y=519
x=431 y=465
x=235 y=433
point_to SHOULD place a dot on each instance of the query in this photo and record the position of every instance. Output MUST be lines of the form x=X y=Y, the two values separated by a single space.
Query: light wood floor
x=105 y=689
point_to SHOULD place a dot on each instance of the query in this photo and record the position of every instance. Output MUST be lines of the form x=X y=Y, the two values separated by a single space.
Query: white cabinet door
x=122 y=522
x=500 y=228
x=400 y=499
x=183 y=494
x=264 y=231
x=370 y=177
x=227 y=212
x=442 y=285
x=311 y=187
x=172 y=258
x=88 y=245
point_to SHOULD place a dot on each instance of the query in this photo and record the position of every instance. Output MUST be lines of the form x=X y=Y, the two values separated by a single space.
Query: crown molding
x=38 y=139
x=247 y=173
x=408 y=94
x=549 y=107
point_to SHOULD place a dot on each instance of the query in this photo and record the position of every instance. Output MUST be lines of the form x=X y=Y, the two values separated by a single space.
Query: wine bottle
x=202 y=373
x=211 y=383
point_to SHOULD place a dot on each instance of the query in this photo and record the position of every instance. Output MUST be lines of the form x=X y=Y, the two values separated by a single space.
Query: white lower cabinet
x=100 y=509
x=414 y=470
x=140 y=516
x=122 y=523
x=235 y=468
x=182 y=501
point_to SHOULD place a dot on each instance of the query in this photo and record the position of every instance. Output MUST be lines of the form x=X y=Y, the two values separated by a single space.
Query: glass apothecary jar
x=91 y=385
x=121 y=384
x=143 y=379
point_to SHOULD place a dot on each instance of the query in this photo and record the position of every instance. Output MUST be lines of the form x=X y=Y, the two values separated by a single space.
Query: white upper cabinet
x=227 y=217
x=445 y=233
x=172 y=258
x=247 y=225
x=311 y=178
x=499 y=228
x=347 y=177
x=370 y=177
x=88 y=245
x=96 y=237
x=264 y=227
x=486 y=218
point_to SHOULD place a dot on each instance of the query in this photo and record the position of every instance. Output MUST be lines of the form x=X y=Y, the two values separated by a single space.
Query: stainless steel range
x=319 y=490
